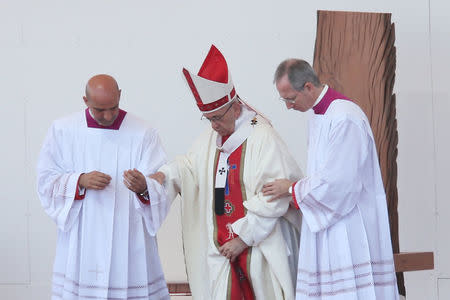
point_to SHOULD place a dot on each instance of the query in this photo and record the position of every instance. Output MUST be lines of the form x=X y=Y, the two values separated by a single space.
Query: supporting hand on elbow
x=158 y=176
x=277 y=189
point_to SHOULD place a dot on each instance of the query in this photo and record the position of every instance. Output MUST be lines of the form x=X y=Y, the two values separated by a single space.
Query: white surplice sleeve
x=269 y=160
x=181 y=170
x=153 y=157
x=333 y=190
x=57 y=182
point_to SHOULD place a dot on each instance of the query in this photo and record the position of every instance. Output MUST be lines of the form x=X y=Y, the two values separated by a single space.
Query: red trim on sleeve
x=294 y=200
x=78 y=196
x=143 y=200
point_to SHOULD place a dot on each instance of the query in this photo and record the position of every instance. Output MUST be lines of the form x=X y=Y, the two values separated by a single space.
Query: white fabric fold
x=333 y=190
x=57 y=184
x=154 y=213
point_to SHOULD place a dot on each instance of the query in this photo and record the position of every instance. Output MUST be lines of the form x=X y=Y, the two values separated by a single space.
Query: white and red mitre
x=212 y=87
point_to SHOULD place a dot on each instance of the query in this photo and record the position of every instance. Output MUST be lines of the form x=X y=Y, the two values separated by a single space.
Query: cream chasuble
x=106 y=246
x=270 y=228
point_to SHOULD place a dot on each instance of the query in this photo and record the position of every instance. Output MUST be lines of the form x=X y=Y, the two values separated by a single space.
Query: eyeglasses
x=217 y=118
x=290 y=101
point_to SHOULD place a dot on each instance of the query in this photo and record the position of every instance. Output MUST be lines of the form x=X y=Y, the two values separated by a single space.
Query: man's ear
x=308 y=86
x=85 y=100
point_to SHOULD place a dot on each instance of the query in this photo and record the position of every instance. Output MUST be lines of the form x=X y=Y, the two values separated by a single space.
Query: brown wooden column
x=355 y=55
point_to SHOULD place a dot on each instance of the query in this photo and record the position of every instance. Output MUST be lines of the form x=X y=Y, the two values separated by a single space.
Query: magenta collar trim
x=331 y=95
x=91 y=123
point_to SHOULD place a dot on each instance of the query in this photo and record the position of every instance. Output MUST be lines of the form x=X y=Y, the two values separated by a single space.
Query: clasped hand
x=94 y=180
x=233 y=248
x=135 y=181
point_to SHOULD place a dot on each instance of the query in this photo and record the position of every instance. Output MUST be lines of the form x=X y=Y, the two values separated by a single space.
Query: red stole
x=239 y=285
x=331 y=95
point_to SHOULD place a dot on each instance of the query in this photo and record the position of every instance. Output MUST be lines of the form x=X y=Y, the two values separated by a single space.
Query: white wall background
x=49 y=49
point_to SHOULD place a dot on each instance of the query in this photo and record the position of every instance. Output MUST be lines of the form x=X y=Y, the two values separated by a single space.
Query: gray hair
x=298 y=71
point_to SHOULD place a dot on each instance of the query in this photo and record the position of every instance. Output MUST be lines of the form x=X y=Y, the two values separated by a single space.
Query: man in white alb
x=345 y=248
x=90 y=179
x=236 y=244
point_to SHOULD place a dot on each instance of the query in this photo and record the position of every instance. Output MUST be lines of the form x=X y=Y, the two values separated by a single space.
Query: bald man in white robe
x=90 y=180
